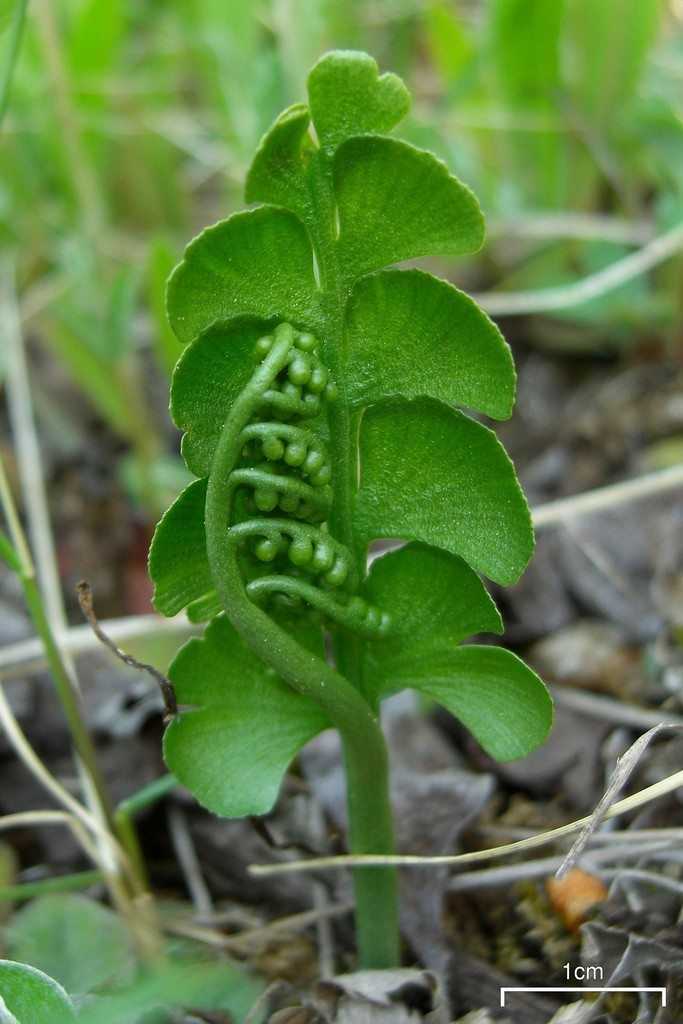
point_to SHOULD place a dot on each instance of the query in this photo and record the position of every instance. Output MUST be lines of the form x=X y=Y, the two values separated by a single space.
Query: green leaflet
x=204 y=608
x=348 y=96
x=207 y=379
x=246 y=725
x=431 y=474
x=410 y=334
x=31 y=997
x=490 y=690
x=435 y=602
x=178 y=563
x=278 y=172
x=216 y=279
x=177 y=557
x=396 y=203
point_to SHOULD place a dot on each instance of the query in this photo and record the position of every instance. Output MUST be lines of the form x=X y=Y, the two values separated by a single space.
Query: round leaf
x=278 y=171
x=410 y=334
x=210 y=375
x=348 y=96
x=178 y=563
x=258 y=263
x=396 y=203
x=503 y=703
x=432 y=474
x=32 y=997
x=246 y=725
x=55 y=934
x=435 y=601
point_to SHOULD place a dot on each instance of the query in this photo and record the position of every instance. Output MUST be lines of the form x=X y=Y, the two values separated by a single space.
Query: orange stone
x=574 y=895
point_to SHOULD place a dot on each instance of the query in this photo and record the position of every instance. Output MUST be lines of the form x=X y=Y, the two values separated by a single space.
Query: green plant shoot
x=320 y=397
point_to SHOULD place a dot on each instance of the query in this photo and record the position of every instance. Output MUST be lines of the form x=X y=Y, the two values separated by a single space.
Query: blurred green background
x=131 y=123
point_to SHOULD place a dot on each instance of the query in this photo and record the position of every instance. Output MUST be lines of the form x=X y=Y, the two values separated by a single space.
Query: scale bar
x=581 y=988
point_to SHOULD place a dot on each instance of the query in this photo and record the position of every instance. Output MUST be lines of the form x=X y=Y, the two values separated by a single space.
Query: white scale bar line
x=582 y=988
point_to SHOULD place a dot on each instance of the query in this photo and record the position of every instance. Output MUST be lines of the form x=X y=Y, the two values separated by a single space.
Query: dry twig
x=85 y=599
x=629 y=803
x=547 y=300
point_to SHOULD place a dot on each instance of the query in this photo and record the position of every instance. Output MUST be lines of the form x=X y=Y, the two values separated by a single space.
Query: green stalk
x=371 y=830
x=129 y=808
x=62 y=883
x=124 y=890
x=65 y=691
x=376 y=890
x=25 y=570
x=13 y=47
x=8 y=554
x=370 y=823
x=145 y=797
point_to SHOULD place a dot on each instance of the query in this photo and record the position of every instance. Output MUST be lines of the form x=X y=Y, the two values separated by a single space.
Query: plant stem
x=16 y=33
x=65 y=691
x=125 y=890
x=130 y=807
x=8 y=554
x=371 y=827
x=364 y=747
x=73 y=713
x=145 y=797
x=368 y=796
x=62 y=883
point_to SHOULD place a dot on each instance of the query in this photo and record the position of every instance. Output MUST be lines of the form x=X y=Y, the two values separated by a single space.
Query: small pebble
x=574 y=895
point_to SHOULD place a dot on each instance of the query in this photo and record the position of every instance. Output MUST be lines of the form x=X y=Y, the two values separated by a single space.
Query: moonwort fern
x=320 y=395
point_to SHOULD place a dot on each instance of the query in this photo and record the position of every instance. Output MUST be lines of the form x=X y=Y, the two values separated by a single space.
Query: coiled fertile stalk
x=285 y=469
x=268 y=444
